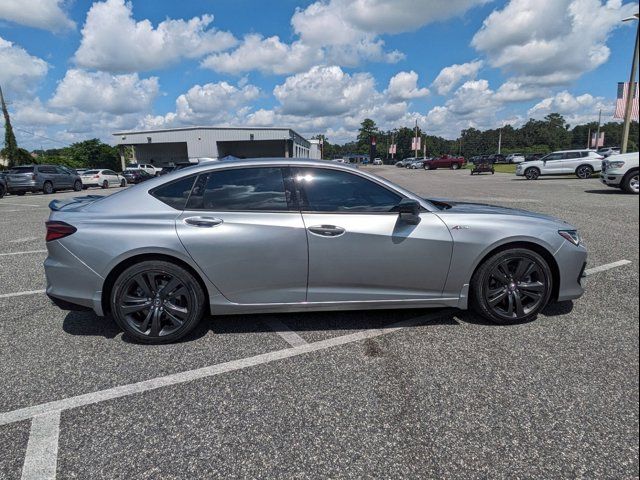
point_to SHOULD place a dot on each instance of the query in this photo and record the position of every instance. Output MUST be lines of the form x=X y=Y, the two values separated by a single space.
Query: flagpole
x=630 y=91
x=415 y=138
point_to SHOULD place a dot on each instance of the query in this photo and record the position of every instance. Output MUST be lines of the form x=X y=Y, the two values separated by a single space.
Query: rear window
x=21 y=170
x=175 y=194
x=91 y=172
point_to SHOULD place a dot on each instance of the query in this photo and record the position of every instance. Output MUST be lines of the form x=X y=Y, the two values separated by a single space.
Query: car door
x=243 y=229
x=63 y=178
x=553 y=164
x=112 y=177
x=571 y=161
x=359 y=249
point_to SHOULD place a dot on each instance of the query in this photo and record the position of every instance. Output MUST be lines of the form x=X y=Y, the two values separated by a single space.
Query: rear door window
x=47 y=170
x=21 y=170
x=240 y=189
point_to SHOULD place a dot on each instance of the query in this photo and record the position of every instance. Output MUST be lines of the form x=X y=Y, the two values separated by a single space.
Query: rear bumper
x=69 y=306
x=23 y=187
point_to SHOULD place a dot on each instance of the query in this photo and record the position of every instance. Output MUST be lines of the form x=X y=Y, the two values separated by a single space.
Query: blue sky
x=80 y=69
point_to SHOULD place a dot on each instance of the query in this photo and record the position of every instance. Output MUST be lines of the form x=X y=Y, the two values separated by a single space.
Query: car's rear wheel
x=584 y=171
x=455 y=166
x=157 y=302
x=2 y=191
x=629 y=183
x=77 y=186
x=532 y=173
x=511 y=286
x=105 y=184
x=47 y=188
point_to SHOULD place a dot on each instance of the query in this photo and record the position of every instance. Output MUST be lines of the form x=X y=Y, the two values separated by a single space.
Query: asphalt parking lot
x=386 y=394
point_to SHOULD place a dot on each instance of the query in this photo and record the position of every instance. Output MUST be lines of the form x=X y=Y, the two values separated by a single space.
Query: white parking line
x=21 y=204
x=21 y=294
x=22 y=253
x=205 y=372
x=606 y=266
x=24 y=239
x=288 y=335
x=41 y=458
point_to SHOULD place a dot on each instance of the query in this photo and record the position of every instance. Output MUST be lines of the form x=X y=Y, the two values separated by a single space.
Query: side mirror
x=409 y=211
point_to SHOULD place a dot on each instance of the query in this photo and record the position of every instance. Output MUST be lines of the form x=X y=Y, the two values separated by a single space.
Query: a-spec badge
x=460 y=227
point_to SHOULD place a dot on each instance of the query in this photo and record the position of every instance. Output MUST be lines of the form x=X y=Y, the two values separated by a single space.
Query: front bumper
x=612 y=178
x=572 y=262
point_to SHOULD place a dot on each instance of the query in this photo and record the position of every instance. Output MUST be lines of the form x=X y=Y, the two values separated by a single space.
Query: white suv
x=621 y=171
x=150 y=169
x=582 y=163
x=515 y=158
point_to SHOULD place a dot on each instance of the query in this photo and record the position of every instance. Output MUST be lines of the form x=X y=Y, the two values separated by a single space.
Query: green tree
x=10 y=150
x=368 y=128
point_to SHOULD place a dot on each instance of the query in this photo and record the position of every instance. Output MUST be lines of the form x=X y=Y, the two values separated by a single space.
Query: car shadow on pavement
x=609 y=191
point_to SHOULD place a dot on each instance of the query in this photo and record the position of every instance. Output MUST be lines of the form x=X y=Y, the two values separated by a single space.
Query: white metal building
x=176 y=145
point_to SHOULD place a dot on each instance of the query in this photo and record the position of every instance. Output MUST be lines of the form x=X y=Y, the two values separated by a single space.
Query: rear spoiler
x=73 y=203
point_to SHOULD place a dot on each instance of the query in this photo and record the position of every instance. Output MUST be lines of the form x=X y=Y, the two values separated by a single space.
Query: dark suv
x=3 y=185
x=42 y=178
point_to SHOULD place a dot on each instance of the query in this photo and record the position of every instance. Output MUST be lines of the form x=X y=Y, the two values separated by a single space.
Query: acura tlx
x=283 y=235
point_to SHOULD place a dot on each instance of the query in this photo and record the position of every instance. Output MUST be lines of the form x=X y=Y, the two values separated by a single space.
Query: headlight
x=571 y=235
x=615 y=165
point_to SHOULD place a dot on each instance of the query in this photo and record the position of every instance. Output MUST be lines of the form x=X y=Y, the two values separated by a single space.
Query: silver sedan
x=282 y=235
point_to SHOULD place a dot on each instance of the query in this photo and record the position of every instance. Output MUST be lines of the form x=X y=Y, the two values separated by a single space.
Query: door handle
x=203 y=221
x=327 y=230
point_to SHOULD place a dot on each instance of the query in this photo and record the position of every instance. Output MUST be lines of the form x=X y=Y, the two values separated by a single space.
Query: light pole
x=631 y=90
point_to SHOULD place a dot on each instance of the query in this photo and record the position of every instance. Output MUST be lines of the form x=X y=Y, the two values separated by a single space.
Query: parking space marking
x=22 y=253
x=24 y=239
x=606 y=266
x=288 y=335
x=41 y=458
x=210 y=371
x=21 y=204
x=21 y=294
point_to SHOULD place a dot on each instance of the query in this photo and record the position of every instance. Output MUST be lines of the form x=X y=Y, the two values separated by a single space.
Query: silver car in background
x=283 y=235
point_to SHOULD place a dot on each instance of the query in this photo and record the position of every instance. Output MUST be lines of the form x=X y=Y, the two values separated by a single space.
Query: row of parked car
x=51 y=178
x=432 y=163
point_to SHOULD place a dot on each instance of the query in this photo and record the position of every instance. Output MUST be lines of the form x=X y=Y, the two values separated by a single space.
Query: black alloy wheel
x=157 y=302
x=77 y=186
x=532 y=173
x=512 y=286
x=47 y=188
x=584 y=171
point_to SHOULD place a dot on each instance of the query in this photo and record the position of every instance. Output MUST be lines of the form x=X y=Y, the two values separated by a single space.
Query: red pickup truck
x=445 y=161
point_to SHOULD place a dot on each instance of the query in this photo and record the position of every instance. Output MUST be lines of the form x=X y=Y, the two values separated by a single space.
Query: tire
x=455 y=166
x=512 y=286
x=123 y=183
x=629 y=183
x=77 y=186
x=532 y=173
x=47 y=188
x=2 y=191
x=149 y=319
x=584 y=171
x=105 y=184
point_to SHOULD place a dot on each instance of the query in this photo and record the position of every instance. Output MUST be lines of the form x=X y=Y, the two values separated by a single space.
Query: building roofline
x=162 y=130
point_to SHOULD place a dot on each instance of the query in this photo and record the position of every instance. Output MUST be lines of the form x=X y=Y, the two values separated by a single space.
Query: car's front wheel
x=77 y=186
x=47 y=188
x=455 y=166
x=123 y=183
x=532 y=173
x=511 y=286
x=630 y=183
x=157 y=301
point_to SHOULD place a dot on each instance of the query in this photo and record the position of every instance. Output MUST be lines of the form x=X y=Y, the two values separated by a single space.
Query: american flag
x=621 y=102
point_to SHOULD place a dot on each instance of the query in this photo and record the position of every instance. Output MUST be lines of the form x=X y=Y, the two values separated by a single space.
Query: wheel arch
x=536 y=247
x=120 y=267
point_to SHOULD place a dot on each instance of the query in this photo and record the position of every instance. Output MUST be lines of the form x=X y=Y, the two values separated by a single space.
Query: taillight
x=58 y=230
x=96 y=176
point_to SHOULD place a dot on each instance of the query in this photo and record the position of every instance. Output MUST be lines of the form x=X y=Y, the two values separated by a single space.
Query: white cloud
x=576 y=109
x=103 y=92
x=550 y=42
x=112 y=40
x=212 y=103
x=341 y=21
x=404 y=86
x=268 y=55
x=516 y=91
x=19 y=72
x=33 y=112
x=449 y=77
x=44 y=14
x=324 y=91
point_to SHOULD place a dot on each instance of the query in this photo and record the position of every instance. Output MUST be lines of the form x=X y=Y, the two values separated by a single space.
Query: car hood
x=448 y=206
